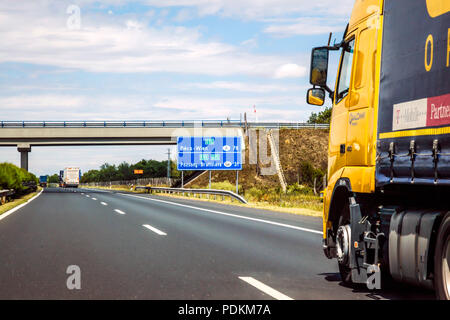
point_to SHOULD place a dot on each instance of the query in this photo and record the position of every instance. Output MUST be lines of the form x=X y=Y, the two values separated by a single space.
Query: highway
x=137 y=246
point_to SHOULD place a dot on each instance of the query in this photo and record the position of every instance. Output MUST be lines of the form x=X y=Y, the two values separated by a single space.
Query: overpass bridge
x=27 y=134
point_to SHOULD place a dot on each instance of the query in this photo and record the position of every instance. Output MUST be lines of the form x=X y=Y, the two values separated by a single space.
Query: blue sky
x=148 y=59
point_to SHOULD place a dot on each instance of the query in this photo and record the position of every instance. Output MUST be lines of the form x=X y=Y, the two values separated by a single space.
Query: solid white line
x=88 y=196
x=119 y=211
x=94 y=198
x=154 y=230
x=100 y=190
x=104 y=203
x=266 y=289
x=7 y=213
x=229 y=214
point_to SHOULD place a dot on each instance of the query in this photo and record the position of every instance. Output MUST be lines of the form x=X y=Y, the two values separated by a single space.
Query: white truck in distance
x=71 y=177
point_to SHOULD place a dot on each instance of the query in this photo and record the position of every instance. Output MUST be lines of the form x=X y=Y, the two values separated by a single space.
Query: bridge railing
x=190 y=191
x=159 y=124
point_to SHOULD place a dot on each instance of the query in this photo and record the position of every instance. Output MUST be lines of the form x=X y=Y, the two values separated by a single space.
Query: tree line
x=321 y=117
x=125 y=171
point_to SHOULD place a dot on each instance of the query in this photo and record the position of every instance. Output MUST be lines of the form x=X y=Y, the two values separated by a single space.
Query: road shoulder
x=10 y=207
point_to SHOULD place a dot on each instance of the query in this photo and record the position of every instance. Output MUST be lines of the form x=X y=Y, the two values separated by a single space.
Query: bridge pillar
x=24 y=149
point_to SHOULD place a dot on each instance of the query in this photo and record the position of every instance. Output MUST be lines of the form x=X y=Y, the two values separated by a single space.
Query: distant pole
x=182 y=179
x=237 y=182
x=168 y=166
x=245 y=121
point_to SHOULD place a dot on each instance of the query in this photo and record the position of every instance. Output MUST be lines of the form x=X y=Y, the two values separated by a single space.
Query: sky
x=156 y=60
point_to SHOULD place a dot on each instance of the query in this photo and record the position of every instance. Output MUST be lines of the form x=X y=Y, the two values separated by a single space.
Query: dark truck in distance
x=43 y=180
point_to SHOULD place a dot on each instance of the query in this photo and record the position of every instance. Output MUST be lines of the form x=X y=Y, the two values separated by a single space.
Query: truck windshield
x=346 y=71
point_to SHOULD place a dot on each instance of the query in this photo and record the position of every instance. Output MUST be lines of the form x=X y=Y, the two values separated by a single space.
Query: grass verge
x=251 y=204
x=115 y=188
x=11 y=205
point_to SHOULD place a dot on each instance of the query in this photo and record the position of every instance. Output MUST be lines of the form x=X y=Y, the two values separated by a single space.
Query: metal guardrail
x=195 y=191
x=160 y=181
x=31 y=185
x=4 y=194
x=159 y=124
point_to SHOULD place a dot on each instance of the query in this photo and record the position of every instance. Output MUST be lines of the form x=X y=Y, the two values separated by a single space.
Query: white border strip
x=265 y=288
x=228 y=214
x=7 y=213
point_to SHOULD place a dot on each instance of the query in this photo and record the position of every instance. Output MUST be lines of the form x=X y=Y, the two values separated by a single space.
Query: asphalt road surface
x=134 y=246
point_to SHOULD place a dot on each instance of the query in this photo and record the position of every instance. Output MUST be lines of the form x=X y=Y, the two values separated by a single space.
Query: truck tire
x=344 y=268
x=442 y=260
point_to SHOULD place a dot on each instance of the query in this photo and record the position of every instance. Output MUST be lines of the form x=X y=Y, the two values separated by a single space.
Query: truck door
x=338 y=129
x=359 y=100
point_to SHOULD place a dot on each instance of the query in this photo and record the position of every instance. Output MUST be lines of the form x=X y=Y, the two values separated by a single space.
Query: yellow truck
x=386 y=204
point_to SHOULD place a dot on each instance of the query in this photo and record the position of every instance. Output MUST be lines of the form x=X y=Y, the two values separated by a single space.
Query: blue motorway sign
x=209 y=153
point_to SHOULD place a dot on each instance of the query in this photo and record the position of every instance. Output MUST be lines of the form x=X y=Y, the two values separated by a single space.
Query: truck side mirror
x=315 y=96
x=319 y=66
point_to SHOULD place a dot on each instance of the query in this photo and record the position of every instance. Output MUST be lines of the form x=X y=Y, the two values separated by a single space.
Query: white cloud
x=174 y=107
x=260 y=9
x=305 y=26
x=220 y=108
x=184 y=15
x=246 y=87
x=290 y=70
x=32 y=32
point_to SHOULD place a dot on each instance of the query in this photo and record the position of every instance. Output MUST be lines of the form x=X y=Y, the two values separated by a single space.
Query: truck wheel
x=442 y=260
x=343 y=246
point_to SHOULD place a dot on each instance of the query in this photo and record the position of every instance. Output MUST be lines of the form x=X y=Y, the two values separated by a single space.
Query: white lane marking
x=119 y=211
x=230 y=214
x=154 y=230
x=266 y=289
x=7 y=213
x=104 y=203
x=94 y=198
x=88 y=196
x=82 y=193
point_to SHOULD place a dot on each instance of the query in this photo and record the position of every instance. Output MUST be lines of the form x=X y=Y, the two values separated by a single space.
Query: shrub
x=299 y=189
x=255 y=194
x=225 y=185
x=12 y=177
x=308 y=173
